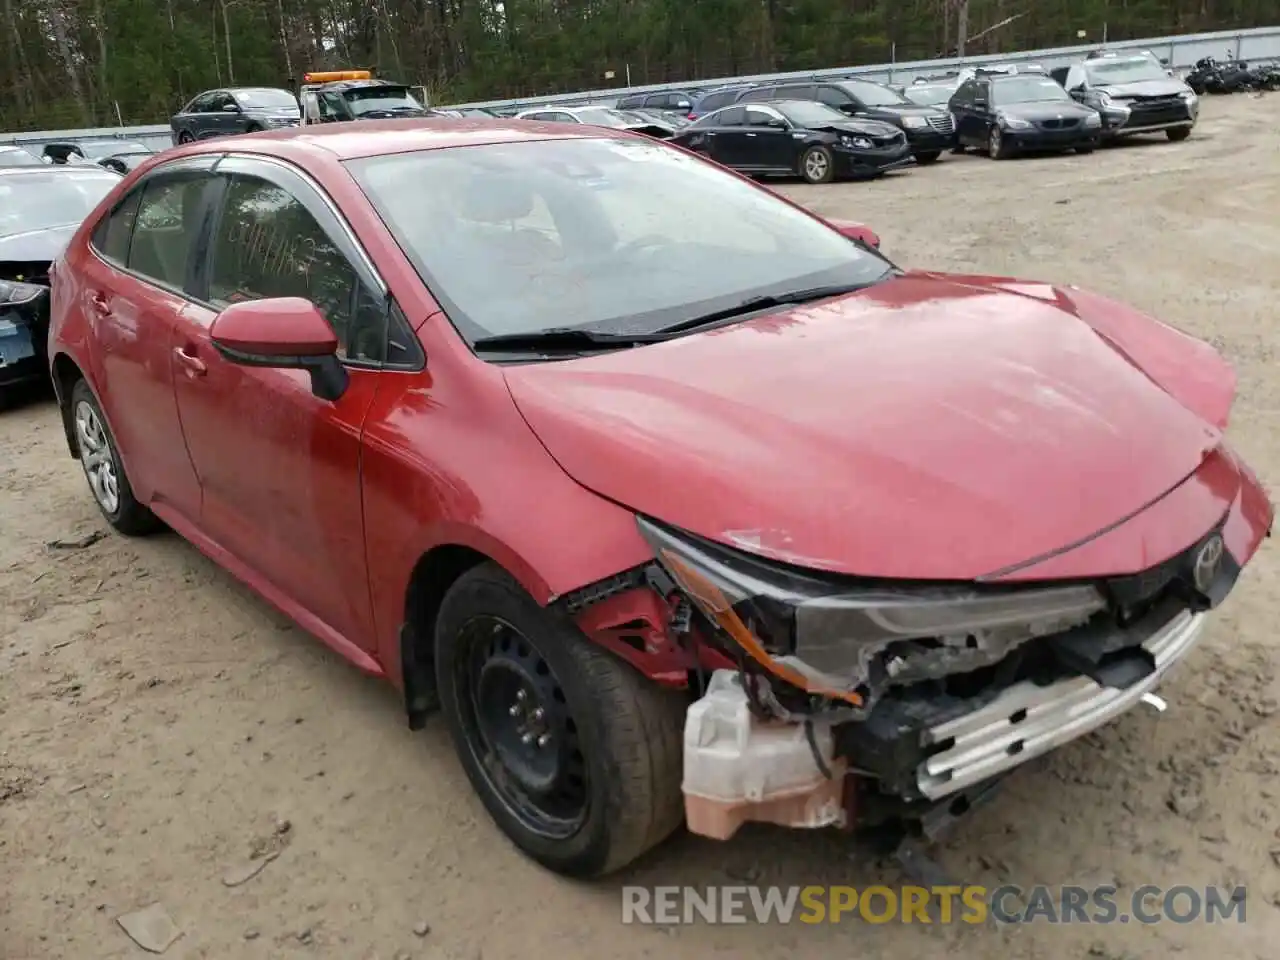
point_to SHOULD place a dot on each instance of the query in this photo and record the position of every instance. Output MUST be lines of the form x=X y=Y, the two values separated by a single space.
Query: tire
x=929 y=156
x=997 y=149
x=122 y=510
x=505 y=667
x=185 y=137
x=1178 y=133
x=818 y=165
x=253 y=128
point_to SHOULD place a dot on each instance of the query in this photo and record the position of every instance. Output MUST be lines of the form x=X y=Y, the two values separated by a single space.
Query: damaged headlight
x=14 y=293
x=847 y=639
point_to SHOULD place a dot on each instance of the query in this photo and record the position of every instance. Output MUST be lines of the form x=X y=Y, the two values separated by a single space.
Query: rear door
x=137 y=288
x=279 y=468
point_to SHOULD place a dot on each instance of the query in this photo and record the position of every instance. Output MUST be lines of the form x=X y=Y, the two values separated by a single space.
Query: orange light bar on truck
x=330 y=76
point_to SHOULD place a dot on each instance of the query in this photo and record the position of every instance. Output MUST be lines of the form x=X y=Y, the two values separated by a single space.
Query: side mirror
x=285 y=333
x=857 y=232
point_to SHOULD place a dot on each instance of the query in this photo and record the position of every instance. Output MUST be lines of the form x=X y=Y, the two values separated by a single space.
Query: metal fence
x=1181 y=51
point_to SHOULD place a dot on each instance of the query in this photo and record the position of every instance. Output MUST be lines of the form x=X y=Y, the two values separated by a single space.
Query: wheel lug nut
x=515 y=710
x=528 y=739
x=544 y=739
x=521 y=695
x=539 y=713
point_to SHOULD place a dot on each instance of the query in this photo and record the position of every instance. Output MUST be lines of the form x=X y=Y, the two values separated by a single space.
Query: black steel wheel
x=575 y=755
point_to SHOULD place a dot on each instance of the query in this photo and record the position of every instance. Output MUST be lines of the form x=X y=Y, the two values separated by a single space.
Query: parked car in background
x=1005 y=113
x=125 y=160
x=602 y=117
x=338 y=96
x=234 y=110
x=504 y=348
x=928 y=129
x=1135 y=94
x=714 y=99
x=40 y=207
x=936 y=94
x=18 y=157
x=668 y=101
x=796 y=138
x=89 y=151
x=664 y=118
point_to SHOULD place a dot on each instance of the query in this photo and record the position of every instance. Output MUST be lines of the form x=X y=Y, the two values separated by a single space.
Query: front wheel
x=1178 y=133
x=184 y=137
x=818 y=165
x=929 y=156
x=997 y=149
x=575 y=755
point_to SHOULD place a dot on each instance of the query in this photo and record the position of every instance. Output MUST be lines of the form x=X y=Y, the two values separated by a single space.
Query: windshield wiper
x=564 y=338
x=764 y=302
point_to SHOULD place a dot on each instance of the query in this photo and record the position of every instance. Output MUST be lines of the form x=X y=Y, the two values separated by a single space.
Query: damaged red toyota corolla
x=643 y=476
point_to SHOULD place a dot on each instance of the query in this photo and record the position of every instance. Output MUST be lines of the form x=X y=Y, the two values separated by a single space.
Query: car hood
x=926 y=428
x=1167 y=87
x=906 y=110
x=865 y=128
x=1046 y=110
x=37 y=245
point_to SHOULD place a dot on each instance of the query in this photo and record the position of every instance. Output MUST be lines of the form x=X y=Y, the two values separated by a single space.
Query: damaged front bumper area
x=858 y=702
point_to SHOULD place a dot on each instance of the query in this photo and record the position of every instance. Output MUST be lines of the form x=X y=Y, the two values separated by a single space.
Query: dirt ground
x=159 y=724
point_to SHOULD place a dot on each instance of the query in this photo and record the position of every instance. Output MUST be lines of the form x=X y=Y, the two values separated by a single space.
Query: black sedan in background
x=929 y=129
x=222 y=113
x=796 y=137
x=123 y=161
x=39 y=211
x=1003 y=114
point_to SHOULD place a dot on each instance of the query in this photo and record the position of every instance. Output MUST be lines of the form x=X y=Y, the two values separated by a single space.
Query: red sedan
x=677 y=501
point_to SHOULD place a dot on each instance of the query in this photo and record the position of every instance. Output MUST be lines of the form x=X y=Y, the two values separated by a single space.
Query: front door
x=769 y=139
x=279 y=468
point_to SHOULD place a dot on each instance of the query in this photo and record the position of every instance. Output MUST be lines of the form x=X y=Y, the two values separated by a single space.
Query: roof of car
x=55 y=170
x=372 y=138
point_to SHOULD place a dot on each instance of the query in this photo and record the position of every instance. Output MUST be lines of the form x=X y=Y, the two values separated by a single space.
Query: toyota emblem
x=1207 y=562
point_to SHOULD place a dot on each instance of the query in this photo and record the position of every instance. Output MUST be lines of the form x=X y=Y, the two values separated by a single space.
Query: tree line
x=73 y=63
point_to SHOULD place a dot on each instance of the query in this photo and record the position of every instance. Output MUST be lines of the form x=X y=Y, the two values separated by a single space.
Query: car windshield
x=367 y=99
x=50 y=198
x=604 y=234
x=874 y=94
x=1128 y=70
x=928 y=96
x=811 y=114
x=1028 y=89
x=266 y=97
x=17 y=157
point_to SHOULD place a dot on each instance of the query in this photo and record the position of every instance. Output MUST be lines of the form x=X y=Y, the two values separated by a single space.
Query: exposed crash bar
x=989 y=742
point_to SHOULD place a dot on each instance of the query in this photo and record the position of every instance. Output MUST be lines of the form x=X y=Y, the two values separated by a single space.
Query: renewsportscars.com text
x=1010 y=904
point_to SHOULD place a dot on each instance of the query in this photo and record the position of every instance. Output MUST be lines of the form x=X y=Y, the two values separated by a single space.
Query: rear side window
x=760 y=93
x=164 y=228
x=714 y=101
x=112 y=234
x=796 y=91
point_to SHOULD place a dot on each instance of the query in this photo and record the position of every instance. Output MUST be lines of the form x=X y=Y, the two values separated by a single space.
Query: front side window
x=811 y=114
x=756 y=117
x=269 y=245
x=613 y=235
x=834 y=96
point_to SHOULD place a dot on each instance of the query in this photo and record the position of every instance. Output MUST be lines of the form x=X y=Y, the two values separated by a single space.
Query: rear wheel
x=185 y=137
x=817 y=165
x=575 y=755
x=929 y=156
x=103 y=468
x=1178 y=133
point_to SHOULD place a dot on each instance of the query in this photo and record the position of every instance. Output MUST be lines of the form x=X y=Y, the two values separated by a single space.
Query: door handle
x=100 y=304
x=194 y=365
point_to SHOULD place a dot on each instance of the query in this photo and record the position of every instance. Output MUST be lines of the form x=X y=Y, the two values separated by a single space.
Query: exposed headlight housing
x=15 y=293
x=848 y=639
x=862 y=143
x=915 y=123
x=1013 y=123
x=1093 y=120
